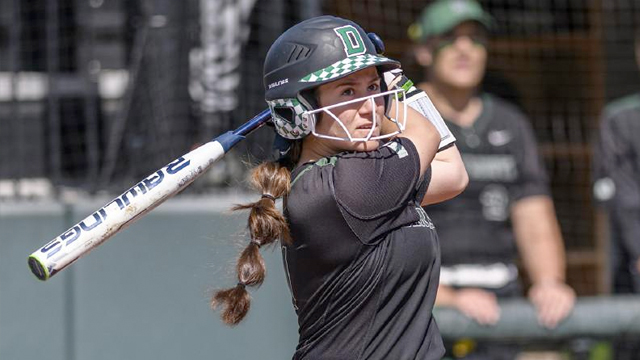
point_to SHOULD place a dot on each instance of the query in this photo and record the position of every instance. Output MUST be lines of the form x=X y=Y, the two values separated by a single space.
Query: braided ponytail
x=266 y=225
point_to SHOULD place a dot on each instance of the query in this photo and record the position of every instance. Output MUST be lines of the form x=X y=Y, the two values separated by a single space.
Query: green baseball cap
x=443 y=15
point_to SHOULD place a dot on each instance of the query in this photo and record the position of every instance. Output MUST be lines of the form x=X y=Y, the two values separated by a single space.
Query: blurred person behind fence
x=507 y=208
x=616 y=174
x=616 y=186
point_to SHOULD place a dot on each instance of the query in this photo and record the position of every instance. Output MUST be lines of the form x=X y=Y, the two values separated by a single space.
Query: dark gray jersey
x=501 y=157
x=364 y=263
x=617 y=170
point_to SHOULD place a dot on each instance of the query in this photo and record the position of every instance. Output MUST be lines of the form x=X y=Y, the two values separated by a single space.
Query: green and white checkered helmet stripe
x=344 y=67
x=299 y=128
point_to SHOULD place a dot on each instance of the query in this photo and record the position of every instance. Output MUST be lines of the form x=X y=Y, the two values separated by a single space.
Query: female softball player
x=361 y=255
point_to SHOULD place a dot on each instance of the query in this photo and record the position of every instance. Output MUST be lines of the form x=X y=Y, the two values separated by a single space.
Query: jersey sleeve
x=533 y=179
x=373 y=189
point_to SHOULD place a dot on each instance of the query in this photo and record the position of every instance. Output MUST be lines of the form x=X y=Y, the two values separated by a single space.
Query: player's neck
x=460 y=106
x=314 y=149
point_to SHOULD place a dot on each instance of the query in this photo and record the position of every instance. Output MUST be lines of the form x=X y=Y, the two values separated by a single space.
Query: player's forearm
x=448 y=176
x=418 y=100
x=539 y=239
x=446 y=296
x=422 y=134
x=545 y=262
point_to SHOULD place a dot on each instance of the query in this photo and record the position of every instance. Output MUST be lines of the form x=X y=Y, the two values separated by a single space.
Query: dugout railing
x=594 y=319
x=592 y=316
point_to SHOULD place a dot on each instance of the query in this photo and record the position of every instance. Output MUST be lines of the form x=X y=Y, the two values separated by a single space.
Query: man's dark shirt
x=616 y=174
x=501 y=157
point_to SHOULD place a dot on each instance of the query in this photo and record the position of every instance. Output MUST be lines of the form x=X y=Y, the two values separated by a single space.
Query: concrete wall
x=142 y=295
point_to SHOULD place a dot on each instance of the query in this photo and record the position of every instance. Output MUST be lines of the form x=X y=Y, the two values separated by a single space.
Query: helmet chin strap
x=396 y=95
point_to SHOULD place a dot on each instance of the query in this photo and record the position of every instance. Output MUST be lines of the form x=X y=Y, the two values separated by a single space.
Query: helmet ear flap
x=283 y=112
x=288 y=119
x=309 y=101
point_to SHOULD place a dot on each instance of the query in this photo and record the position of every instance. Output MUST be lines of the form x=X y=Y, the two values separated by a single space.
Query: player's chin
x=366 y=145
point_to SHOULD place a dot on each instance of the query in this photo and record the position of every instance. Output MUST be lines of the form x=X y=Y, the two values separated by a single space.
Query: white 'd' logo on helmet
x=351 y=39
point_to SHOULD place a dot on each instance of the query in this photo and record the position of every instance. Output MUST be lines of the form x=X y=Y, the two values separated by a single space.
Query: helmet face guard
x=388 y=95
x=312 y=53
x=305 y=120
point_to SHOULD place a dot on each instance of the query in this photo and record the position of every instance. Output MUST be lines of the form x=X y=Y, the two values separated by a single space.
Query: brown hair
x=266 y=225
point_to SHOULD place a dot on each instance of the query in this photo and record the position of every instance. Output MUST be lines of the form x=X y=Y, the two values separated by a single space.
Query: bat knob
x=377 y=42
x=38 y=269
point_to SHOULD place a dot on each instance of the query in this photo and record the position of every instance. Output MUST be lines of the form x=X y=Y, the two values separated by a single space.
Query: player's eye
x=374 y=87
x=447 y=39
x=348 y=92
x=479 y=39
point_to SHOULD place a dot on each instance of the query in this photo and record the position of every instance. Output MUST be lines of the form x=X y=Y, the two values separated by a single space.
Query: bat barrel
x=143 y=197
x=123 y=210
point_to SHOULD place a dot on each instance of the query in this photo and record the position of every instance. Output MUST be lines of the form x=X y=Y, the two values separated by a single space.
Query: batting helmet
x=314 y=52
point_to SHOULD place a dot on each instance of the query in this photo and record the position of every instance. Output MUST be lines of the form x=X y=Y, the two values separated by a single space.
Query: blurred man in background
x=616 y=174
x=617 y=185
x=507 y=207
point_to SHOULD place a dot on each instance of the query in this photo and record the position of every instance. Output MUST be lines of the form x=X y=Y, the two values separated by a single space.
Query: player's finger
x=554 y=308
x=490 y=315
x=484 y=310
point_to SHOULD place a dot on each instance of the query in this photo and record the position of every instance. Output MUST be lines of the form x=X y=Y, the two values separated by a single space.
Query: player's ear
x=423 y=55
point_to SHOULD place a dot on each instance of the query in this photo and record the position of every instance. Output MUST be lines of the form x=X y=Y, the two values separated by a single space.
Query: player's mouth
x=365 y=127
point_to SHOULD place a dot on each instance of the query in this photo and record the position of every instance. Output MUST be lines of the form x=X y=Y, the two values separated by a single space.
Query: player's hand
x=553 y=302
x=396 y=79
x=392 y=78
x=479 y=305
